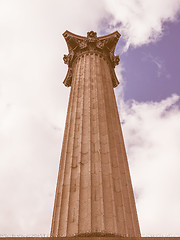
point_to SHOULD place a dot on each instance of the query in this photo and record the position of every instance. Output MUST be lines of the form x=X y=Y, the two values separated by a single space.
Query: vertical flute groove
x=58 y=195
x=98 y=81
x=117 y=185
x=91 y=183
x=71 y=153
x=80 y=142
x=72 y=226
x=62 y=231
x=134 y=231
x=128 y=179
x=125 y=192
x=94 y=191
x=59 y=192
x=106 y=88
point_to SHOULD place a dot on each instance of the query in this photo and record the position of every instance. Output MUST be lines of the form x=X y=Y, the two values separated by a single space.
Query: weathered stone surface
x=79 y=45
x=94 y=192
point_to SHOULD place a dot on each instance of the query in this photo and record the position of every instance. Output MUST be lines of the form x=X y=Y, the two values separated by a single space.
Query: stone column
x=94 y=192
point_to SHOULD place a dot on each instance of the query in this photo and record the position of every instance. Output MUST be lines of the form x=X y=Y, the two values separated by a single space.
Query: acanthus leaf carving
x=114 y=59
x=91 y=36
x=68 y=58
x=78 y=45
x=82 y=44
x=101 y=44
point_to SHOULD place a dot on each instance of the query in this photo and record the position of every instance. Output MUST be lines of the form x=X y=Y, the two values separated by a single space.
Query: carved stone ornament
x=78 y=45
x=91 y=36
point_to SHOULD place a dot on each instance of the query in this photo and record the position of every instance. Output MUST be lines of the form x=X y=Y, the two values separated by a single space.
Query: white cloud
x=33 y=105
x=151 y=133
x=34 y=100
x=141 y=22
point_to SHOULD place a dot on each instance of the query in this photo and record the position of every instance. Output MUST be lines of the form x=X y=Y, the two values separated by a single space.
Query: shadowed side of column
x=94 y=191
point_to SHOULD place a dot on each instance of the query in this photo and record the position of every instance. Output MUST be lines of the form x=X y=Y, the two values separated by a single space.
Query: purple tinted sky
x=34 y=105
x=152 y=71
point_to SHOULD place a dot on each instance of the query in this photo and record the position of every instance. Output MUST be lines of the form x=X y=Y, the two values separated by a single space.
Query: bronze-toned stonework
x=79 y=45
x=94 y=195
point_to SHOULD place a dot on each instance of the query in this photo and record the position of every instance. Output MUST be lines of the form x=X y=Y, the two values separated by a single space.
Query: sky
x=33 y=105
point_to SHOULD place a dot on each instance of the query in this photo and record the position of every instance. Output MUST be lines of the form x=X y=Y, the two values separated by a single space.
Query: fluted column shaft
x=94 y=191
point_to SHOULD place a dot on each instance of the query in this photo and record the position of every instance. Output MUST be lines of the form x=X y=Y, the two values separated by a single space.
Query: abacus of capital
x=94 y=196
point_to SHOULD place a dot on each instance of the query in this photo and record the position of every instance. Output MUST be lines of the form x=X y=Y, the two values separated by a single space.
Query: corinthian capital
x=78 y=45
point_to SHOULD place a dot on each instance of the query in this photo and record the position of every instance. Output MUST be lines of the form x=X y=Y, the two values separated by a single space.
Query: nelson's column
x=94 y=195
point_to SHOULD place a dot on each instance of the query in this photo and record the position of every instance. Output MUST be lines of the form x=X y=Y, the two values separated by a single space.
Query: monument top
x=78 y=45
